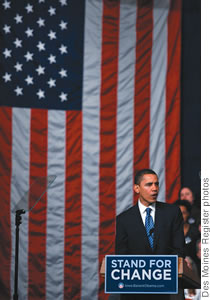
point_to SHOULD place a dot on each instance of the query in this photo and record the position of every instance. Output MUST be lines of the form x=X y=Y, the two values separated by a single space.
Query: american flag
x=90 y=92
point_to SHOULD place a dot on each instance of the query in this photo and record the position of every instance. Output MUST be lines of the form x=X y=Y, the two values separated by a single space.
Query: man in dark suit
x=165 y=235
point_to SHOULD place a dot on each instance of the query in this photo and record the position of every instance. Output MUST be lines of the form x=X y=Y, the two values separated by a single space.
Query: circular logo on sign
x=121 y=285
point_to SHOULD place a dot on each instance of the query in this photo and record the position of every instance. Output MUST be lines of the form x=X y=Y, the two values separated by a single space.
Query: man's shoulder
x=128 y=212
x=164 y=204
x=167 y=206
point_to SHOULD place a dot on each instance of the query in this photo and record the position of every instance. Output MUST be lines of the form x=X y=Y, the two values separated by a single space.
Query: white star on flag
x=18 y=67
x=7 y=77
x=41 y=46
x=52 y=35
x=7 y=53
x=18 y=19
x=51 y=83
x=29 y=80
x=63 y=49
x=51 y=11
x=6 y=29
x=40 y=70
x=63 y=25
x=63 y=2
x=40 y=94
x=29 y=8
x=63 y=97
x=29 y=32
x=41 y=22
x=52 y=59
x=18 y=91
x=63 y=73
x=28 y=56
x=6 y=4
x=18 y=43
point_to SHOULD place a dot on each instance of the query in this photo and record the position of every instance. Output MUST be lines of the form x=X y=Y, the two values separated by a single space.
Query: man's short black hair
x=184 y=203
x=141 y=173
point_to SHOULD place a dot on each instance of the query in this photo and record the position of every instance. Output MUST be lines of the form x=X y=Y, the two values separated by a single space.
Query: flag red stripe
x=37 y=217
x=144 y=27
x=173 y=103
x=5 y=172
x=72 y=258
x=108 y=112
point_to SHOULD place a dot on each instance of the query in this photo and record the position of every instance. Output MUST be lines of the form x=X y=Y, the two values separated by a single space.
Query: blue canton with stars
x=41 y=53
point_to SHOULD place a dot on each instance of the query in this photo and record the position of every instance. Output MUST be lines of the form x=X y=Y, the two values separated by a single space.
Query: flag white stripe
x=56 y=205
x=91 y=150
x=20 y=184
x=125 y=106
x=158 y=92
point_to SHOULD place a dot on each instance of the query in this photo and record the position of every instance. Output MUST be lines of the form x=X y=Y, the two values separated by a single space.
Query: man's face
x=147 y=189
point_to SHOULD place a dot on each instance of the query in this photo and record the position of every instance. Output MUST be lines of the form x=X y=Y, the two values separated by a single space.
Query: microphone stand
x=36 y=190
x=18 y=220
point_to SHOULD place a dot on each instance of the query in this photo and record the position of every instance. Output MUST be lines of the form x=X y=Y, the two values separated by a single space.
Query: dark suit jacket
x=131 y=237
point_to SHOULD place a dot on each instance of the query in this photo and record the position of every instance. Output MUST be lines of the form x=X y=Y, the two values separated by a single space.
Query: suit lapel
x=158 y=220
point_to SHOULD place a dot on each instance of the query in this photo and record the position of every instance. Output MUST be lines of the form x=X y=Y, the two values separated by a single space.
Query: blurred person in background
x=191 y=232
x=195 y=294
x=198 y=256
x=187 y=194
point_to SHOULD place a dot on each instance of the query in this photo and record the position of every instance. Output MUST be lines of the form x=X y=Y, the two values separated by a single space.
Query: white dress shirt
x=143 y=213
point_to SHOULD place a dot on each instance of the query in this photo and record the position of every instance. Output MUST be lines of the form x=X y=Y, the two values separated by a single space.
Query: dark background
x=191 y=96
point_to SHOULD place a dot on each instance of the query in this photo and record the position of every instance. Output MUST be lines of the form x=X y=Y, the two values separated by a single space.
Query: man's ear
x=136 y=188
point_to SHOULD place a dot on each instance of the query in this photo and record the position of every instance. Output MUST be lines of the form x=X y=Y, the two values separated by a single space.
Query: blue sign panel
x=143 y=274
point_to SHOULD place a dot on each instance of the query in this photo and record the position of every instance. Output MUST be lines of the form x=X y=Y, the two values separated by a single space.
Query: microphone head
x=151 y=231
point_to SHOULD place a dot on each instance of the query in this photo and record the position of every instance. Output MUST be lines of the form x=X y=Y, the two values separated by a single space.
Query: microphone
x=151 y=231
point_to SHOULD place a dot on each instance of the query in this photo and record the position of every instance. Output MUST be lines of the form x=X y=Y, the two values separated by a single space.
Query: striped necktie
x=149 y=225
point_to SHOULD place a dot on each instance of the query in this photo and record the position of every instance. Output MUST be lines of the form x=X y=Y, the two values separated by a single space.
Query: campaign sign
x=143 y=274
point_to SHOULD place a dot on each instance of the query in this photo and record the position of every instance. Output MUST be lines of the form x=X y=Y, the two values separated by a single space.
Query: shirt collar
x=143 y=208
